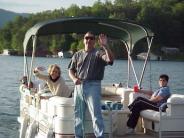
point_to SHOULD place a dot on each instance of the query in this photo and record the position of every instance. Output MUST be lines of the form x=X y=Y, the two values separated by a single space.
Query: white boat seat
x=113 y=90
x=152 y=115
x=170 y=121
x=175 y=107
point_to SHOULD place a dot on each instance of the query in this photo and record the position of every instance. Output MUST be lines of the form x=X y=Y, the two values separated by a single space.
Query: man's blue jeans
x=88 y=94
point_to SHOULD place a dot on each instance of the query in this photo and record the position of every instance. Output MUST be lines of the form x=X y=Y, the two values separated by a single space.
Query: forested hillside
x=163 y=17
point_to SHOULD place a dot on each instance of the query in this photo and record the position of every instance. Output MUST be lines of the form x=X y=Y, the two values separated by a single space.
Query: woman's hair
x=51 y=67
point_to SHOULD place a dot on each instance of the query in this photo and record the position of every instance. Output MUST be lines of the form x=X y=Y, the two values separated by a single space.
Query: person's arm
x=163 y=93
x=37 y=73
x=73 y=77
x=109 y=54
x=148 y=92
x=103 y=43
x=156 y=98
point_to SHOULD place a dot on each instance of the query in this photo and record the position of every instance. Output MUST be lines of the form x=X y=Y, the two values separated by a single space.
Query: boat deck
x=137 y=135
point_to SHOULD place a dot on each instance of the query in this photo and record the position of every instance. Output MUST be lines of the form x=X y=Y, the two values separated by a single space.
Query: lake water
x=11 y=69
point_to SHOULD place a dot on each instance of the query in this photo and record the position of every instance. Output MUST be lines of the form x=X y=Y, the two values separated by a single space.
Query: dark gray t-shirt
x=89 y=65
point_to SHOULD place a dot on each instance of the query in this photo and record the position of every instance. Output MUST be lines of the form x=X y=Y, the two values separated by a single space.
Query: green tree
x=17 y=43
x=99 y=10
x=65 y=41
x=73 y=47
x=86 y=11
x=122 y=2
x=54 y=48
x=6 y=36
x=178 y=11
x=73 y=11
x=80 y=45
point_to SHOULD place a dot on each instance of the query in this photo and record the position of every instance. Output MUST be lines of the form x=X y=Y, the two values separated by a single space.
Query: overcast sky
x=33 y=6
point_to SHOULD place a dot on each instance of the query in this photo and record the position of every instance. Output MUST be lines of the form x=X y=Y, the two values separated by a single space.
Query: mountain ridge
x=6 y=16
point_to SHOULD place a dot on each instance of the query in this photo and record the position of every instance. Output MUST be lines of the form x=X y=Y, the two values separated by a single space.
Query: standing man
x=86 y=70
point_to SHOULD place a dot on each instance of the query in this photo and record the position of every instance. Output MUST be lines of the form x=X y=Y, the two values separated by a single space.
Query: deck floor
x=140 y=135
x=136 y=135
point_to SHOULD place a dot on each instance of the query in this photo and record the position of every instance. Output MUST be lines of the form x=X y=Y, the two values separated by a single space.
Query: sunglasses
x=89 y=37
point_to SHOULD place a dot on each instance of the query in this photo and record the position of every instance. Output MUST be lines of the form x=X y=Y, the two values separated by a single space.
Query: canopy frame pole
x=25 y=63
x=128 y=77
x=128 y=71
x=32 y=59
x=130 y=62
x=149 y=41
x=133 y=68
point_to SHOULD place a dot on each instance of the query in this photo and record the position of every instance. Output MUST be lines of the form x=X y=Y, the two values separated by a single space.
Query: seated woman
x=157 y=99
x=55 y=82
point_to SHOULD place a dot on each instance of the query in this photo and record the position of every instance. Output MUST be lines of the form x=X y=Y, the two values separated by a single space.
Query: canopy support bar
x=128 y=71
x=130 y=62
x=25 y=63
x=32 y=59
x=149 y=41
x=133 y=68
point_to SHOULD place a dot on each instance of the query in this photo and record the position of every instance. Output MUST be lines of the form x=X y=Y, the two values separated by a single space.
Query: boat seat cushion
x=115 y=91
x=175 y=105
x=176 y=99
x=174 y=110
x=152 y=115
x=109 y=90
